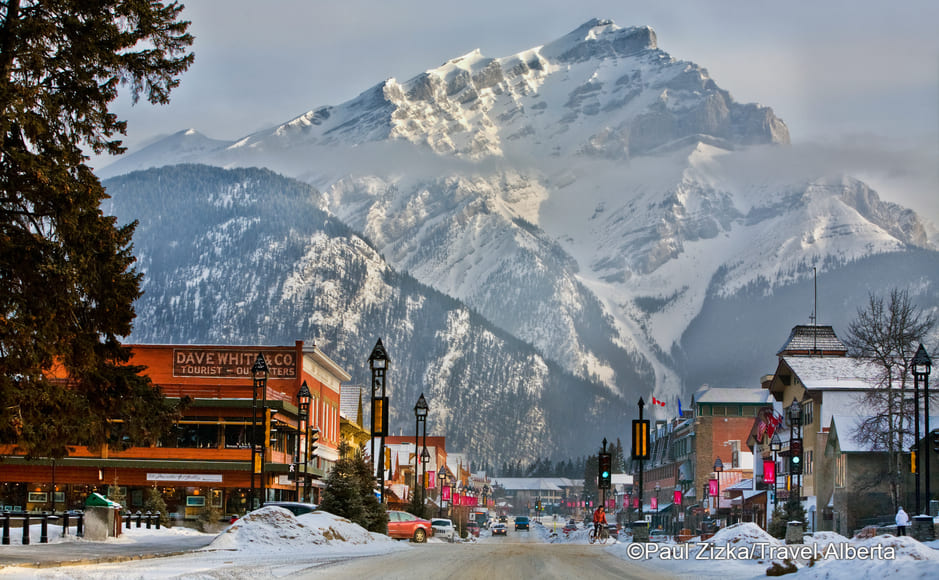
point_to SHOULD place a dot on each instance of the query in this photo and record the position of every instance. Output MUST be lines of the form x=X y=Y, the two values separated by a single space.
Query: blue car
x=521 y=523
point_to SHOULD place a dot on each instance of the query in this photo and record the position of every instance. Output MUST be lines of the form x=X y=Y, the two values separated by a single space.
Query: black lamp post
x=775 y=445
x=303 y=413
x=795 y=434
x=420 y=413
x=922 y=365
x=441 y=483
x=718 y=468
x=657 y=489
x=259 y=384
x=378 y=363
x=425 y=458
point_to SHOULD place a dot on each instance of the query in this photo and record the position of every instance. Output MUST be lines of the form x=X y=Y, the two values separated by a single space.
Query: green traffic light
x=606 y=474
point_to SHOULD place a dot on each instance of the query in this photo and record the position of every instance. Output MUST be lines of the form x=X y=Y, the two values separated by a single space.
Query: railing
x=44 y=528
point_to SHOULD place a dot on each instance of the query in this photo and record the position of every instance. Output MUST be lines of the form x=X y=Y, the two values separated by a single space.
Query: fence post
x=25 y=528
x=65 y=522
x=44 y=529
x=139 y=516
x=80 y=525
x=149 y=517
x=158 y=520
x=128 y=515
x=6 y=528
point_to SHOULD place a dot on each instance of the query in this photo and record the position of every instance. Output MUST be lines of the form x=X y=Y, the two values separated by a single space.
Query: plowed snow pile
x=275 y=528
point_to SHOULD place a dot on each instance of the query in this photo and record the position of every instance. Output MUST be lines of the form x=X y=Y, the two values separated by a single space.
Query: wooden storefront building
x=206 y=460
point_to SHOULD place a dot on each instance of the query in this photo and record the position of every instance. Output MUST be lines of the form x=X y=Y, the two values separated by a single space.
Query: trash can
x=102 y=518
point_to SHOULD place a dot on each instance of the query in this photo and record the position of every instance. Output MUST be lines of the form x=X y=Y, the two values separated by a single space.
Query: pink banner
x=636 y=503
x=712 y=487
x=677 y=497
x=769 y=471
x=431 y=479
x=654 y=503
x=445 y=493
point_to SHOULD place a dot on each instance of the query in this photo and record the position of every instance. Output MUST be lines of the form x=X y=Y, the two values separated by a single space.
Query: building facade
x=206 y=460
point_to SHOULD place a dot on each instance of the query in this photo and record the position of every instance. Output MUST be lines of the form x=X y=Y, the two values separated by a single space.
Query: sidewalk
x=134 y=544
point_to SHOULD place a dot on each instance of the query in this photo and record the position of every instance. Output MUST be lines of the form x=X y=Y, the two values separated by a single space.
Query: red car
x=405 y=526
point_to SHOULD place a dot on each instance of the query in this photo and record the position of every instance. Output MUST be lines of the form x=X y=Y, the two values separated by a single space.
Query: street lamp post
x=775 y=445
x=420 y=413
x=378 y=363
x=718 y=468
x=657 y=489
x=441 y=483
x=259 y=383
x=795 y=434
x=922 y=365
x=425 y=458
x=303 y=413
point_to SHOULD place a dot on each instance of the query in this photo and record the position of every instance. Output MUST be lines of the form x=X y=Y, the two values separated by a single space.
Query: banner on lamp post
x=654 y=502
x=712 y=487
x=769 y=471
x=676 y=498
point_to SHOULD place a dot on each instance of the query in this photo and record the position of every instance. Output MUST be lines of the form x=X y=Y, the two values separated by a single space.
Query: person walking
x=903 y=520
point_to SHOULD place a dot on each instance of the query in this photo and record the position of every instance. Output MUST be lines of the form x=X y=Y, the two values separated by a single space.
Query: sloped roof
x=745 y=395
x=527 y=483
x=842 y=429
x=832 y=372
x=349 y=397
x=812 y=339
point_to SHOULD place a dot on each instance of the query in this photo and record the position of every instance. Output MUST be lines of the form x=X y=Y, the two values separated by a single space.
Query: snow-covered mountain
x=255 y=262
x=598 y=200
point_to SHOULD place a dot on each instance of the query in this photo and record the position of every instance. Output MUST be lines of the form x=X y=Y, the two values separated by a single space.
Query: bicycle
x=602 y=538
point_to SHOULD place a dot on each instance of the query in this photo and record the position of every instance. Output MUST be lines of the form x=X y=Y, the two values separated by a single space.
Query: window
x=808 y=461
x=735 y=454
x=840 y=470
x=808 y=413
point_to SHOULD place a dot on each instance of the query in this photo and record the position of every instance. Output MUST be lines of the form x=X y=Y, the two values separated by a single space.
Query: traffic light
x=267 y=425
x=606 y=464
x=795 y=456
x=314 y=437
x=641 y=439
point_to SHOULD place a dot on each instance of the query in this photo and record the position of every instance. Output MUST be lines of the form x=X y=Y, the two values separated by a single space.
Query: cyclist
x=599 y=520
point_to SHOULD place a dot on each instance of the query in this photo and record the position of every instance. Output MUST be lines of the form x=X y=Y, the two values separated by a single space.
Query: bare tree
x=885 y=335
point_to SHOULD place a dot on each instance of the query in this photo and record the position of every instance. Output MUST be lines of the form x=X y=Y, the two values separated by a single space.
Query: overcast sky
x=862 y=73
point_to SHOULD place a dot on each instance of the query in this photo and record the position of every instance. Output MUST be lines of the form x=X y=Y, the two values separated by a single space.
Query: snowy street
x=272 y=543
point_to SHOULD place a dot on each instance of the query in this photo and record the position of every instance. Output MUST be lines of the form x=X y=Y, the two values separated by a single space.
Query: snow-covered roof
x=812 y=338
x=528 y=483
x=843 y=427
x=744 y=395
x=832 y=372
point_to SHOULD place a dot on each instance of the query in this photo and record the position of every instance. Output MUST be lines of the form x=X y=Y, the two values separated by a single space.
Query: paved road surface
x=516 y=556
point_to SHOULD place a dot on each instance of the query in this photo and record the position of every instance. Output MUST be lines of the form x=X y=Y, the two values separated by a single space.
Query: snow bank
x=275 y=529
x=747 y=535
x=877 y=558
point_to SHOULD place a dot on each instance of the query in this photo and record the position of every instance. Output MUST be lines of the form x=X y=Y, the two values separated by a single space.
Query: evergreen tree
x=349 y=492
x=67 y=282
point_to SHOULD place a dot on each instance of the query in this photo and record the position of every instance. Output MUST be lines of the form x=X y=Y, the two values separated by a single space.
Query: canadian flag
x=657 y=402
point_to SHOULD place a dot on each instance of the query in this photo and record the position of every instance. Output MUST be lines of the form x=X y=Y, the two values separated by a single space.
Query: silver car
x=443 y=528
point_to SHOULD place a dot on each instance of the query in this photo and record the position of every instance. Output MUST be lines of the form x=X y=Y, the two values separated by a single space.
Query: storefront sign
x=194 y=477
x=227 y=363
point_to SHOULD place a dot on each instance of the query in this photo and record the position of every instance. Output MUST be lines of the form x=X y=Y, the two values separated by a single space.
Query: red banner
x=654 y=502
x=636 y=503
x=769 y=471
x=445 y=493
x=712 y=487
x=677 y=497
x=431 y=479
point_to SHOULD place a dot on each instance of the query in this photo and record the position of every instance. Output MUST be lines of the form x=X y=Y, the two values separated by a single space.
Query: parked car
x=443 y=528
x=295 y=507
x=500 y=530
x=521 y=523
x=404 y=526
x=472 y=528
x=569 y=527
x=658 y=536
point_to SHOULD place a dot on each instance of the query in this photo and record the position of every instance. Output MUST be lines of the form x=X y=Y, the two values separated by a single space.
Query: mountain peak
x=600 y=38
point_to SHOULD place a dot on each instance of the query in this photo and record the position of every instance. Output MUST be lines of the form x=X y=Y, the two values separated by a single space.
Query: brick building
x=206 y=460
